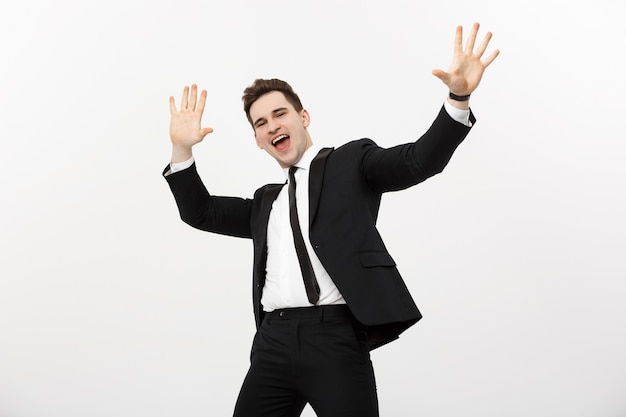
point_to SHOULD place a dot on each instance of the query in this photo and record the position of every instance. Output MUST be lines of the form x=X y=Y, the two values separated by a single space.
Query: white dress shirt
x=284 y=285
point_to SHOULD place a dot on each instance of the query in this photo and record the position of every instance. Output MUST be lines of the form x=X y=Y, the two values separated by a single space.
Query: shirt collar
x=305 y=161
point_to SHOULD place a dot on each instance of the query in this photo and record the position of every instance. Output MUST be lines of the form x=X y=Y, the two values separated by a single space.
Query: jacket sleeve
x=403 y=166
x=224 y=215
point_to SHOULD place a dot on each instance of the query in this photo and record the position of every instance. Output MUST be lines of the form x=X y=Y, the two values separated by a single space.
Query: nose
x=273 y=126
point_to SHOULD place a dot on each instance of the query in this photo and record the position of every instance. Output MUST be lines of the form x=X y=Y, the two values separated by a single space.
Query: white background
x=111 y=306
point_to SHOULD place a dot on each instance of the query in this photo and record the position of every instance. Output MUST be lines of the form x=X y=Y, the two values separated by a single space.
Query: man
x=326 y=291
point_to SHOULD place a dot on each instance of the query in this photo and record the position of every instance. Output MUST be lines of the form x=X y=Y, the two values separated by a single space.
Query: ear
x=306 y=118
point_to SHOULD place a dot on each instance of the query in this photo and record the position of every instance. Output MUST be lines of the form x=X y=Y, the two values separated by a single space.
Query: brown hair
x=261 y=87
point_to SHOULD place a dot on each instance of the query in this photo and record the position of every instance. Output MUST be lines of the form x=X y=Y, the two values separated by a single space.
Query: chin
x=286 y=162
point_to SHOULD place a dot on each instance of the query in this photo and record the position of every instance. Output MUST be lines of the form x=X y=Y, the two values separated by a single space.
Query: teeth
x=278 y=139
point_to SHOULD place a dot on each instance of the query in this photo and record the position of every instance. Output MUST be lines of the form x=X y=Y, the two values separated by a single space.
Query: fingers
x=491 y=57
x=190 y=100
x=202 y=102
x=483 y=45
x=458 y=40
x=172 y=105
x=193 y=97
x=469 y=47
x=185 y=100
x=470 y=44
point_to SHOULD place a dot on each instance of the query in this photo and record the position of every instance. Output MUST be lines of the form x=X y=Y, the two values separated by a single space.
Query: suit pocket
x=372 y=259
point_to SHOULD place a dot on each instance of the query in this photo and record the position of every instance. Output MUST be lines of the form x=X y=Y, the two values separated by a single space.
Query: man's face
x=279 y=129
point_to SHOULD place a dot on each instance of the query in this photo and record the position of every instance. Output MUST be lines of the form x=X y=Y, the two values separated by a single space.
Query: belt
x=313 y=312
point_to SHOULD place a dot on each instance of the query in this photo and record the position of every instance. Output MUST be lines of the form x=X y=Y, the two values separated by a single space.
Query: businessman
x=325 y=290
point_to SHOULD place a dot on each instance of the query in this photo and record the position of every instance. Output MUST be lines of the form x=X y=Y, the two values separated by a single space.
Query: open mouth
x=279 y=139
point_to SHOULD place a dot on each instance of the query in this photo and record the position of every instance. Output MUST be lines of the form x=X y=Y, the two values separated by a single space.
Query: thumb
x=442 y=75
x=206 y=130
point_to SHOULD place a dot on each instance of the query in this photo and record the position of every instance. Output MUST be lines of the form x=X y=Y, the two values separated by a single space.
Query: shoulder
x=358 y=143
x=356 y=147
x=267 y=189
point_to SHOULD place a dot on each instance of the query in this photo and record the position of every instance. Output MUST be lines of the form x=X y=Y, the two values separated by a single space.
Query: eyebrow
x=273 y=112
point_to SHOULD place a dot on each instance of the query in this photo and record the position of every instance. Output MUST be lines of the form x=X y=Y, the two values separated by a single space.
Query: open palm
x=467 y=68
x=185 y=124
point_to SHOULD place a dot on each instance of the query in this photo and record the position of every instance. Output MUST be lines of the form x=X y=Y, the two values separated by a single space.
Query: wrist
x=180 y=153
x=461 y=105
x=456 y=97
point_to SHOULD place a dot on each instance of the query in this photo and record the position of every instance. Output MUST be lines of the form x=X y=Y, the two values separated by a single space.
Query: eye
x=259 y=124
x=281 y=114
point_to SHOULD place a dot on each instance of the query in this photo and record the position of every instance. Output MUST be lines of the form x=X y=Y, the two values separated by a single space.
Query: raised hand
x=466 y=69
x=185 y=127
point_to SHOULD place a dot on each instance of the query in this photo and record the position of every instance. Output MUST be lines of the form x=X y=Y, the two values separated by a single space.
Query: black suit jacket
x=345 y=189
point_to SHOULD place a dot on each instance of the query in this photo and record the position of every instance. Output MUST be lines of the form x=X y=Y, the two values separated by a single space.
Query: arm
x=403 y=166
x=406 y=165
x=199 y=209
x=224 y=215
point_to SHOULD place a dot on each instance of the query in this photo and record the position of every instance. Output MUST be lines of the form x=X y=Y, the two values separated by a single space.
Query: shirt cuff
x=179 y=166
x=461 y=116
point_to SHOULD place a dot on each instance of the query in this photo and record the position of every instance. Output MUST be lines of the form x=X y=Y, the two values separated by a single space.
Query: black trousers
x=315 y=355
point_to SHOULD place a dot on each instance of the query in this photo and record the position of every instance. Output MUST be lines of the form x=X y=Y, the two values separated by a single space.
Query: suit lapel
x=316 y=177
x=269 y=196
